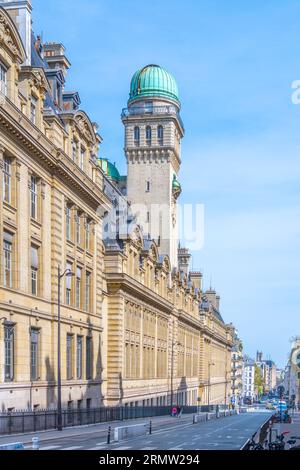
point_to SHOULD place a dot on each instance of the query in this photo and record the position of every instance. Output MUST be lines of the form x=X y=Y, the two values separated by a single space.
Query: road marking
x=72 y=448
x=149 y=448
x=123 y=448
x=50 y=447
x=228 y=437
x=175 y=448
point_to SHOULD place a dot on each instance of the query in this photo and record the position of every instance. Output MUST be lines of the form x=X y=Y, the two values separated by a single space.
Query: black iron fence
x=19 y=422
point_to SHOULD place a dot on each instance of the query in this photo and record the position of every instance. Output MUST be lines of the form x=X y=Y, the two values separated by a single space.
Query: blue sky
x=234 y=63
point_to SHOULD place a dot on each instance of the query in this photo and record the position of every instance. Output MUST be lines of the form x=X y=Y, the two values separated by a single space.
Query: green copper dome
x=176 y=187
x=152 y=81
x=109 y=169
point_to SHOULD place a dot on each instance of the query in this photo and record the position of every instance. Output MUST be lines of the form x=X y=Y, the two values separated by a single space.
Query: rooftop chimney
x=54 y=54
x=20 y=12
x=212 y=297
x=196 y=278
x=183 y=259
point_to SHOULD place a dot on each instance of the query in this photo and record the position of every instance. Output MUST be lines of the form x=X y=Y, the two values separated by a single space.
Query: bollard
x=35 y=443
x=194 y=419
x=150 y=428
x=108 y=434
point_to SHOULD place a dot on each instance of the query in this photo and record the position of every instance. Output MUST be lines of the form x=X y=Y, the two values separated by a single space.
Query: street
x=228 y=433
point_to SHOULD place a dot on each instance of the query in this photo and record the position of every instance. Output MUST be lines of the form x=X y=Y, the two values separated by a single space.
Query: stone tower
x=153 y=133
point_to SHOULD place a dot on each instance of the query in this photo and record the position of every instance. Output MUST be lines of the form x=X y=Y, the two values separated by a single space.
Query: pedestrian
x=174 y=411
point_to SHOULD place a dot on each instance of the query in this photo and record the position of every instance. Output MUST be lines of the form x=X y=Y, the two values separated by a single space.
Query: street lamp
x=177 y=343
x=208 y=395
x=60 y=275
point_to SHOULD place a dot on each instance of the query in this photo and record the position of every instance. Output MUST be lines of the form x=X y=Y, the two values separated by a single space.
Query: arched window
x=160 y=135
x=148 y=135
x=137 y=135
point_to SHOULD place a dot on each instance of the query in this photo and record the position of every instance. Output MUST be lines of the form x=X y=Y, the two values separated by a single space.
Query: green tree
x=258 y=380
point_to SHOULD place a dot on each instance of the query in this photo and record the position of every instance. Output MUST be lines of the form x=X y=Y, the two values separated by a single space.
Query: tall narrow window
x=69 y=285
x=68 y=223
x=69 y=357
x=148 y=135
x=87 y=235
x=89 y=365
x=33 y=197
x=78 y=229
x=34 y=354
x=137 y=136
x=82 y=158
x=34 y=270
x=79 y=357
x=7 y=255
x=7 y=180
x=160 y=135
x=87 y=291
x=33 y=104
x=78 y=287
x=9 y=353
x=74 y=151
x=148 y=187
x=3 y=79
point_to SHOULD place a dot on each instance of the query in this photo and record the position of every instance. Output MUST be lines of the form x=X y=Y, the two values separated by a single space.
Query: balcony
x=152 y=111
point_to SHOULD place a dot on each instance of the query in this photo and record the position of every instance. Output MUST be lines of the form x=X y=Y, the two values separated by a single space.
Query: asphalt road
x=228 y=433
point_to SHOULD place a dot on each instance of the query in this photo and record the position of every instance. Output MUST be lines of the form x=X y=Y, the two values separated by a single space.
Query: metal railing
x=151 y=111
x=20 y=422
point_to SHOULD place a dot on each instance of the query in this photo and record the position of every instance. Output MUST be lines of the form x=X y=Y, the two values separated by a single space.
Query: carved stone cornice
x=52 y=158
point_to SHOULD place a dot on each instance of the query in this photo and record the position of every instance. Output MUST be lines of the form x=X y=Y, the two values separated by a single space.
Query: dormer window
x=33 y=104
x=148 y=135
x=137 y=136
x=3 y=79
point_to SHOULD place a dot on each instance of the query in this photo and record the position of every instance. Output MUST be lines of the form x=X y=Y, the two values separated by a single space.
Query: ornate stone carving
x=7 y=38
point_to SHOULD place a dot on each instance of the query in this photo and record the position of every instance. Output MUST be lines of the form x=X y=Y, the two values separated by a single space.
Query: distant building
x=292 y=374
x=268 y=371
x=236 y=370
x=249 y=378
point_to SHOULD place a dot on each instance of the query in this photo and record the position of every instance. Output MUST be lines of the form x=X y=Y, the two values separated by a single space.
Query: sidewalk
x=292 y=428
x=102 y=428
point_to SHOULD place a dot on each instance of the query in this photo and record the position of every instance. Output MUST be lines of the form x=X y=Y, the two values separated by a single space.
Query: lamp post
x=60 y=275
x=177 y=343
x=209 y=384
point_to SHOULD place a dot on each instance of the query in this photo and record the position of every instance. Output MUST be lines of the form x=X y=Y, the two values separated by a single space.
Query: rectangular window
x=74 y=151
x=69 y=357
x=79 y=358
x=34 y=197
x=82 y=158
x=34 y=354
x=7 y=255
x=87 y=235
x=9 y=352
x=34 y=270
x=7 y=180
x=148 y=187
x=78 y=287
x=68 y=223
x=33 y=104
x=88 y=277
x=89 y=365
x=78 y=229
x=69 y=285
x=3 y=79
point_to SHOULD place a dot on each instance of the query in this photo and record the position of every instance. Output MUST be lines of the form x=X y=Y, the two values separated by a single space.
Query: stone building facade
x=136 y=325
